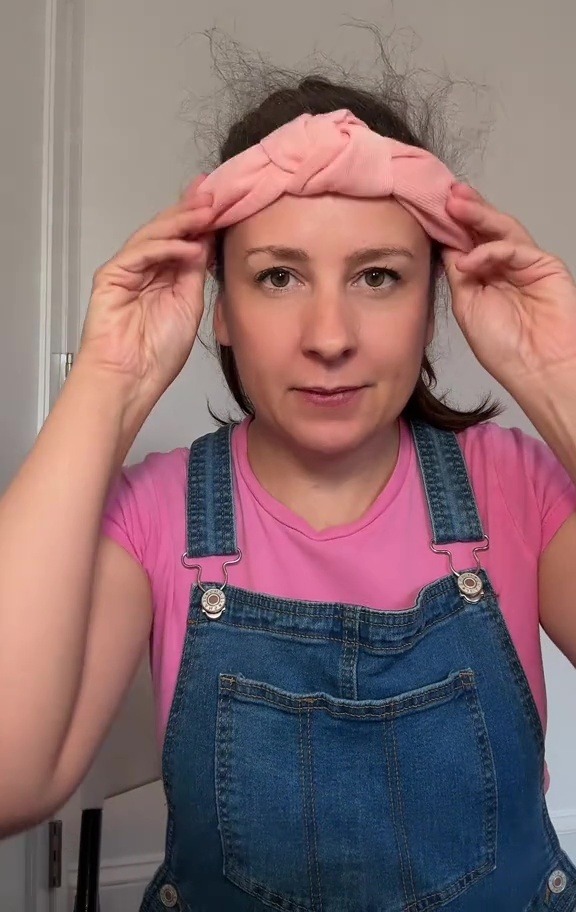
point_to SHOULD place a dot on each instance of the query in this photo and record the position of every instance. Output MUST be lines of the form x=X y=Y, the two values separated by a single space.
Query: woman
x=346 y=587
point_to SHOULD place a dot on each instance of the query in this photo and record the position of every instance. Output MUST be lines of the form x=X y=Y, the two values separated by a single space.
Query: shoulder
x=489 y=442
x=513 y=455
x=518 y=471
x=157 y=469
x=144 y=489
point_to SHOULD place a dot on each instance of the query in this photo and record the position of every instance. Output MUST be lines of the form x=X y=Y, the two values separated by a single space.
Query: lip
x=327 y=391
x=330 y=397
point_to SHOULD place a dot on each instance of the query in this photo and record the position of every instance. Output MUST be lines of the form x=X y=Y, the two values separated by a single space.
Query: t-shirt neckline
x=287 y=517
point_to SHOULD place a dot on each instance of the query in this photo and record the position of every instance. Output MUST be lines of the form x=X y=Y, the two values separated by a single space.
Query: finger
x=175 y=222
x=193 y=189
x=127 y=268
x=458 y=280
x=469 y=207
x=502 y=256
x=192 y=186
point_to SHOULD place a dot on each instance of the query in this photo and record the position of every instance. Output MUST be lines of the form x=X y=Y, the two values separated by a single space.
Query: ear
x=220 y=323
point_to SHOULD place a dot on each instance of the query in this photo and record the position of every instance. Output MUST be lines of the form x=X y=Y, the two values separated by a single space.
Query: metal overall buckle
x=469 y=583
x=213 y=599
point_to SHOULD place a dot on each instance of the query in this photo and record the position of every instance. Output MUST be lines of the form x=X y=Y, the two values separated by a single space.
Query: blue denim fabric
x=334 y=758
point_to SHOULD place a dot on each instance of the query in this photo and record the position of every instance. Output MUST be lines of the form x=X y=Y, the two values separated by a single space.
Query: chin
x=330 y=438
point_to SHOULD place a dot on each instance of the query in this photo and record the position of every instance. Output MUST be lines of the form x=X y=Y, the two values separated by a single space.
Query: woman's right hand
x=147 y=301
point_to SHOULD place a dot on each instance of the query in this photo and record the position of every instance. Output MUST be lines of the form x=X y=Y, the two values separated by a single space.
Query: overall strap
x=451 y=501
x=210 y=519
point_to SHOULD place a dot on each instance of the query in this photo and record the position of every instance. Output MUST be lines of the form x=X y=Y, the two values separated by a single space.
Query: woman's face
x=326 y=293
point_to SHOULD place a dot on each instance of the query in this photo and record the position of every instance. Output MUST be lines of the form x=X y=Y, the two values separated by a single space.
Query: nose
x=330 y=330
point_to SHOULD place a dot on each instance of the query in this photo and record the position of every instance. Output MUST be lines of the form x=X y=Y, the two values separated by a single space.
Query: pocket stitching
x=230 y=856
x=303 y=775
x=312 y=852
x=246 y=690
x=462 y=682
x=392 y=727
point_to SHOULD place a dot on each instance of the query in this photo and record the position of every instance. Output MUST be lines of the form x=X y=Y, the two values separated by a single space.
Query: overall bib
x=325 y=757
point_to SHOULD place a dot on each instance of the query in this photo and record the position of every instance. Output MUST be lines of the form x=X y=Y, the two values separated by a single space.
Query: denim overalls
x=324 y=757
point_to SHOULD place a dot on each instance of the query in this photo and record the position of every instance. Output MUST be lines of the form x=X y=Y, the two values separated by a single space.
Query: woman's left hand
x=515 y=304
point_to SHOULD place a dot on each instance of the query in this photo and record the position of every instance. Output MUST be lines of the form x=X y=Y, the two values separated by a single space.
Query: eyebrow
x=364 y=255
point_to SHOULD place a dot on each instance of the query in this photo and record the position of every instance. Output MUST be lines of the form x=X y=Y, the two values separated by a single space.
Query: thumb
x=193 y=187
x=457 y=280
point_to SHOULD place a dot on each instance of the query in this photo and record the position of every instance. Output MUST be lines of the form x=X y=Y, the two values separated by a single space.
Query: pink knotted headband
x=335 y=153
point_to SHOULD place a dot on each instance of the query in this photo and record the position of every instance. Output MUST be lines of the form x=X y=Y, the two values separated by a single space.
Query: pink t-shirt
x=381 y=561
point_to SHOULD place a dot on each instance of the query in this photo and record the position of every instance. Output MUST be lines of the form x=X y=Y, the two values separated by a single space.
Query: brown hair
x=386 y=109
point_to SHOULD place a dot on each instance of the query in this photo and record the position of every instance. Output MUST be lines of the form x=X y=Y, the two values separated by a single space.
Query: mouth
x=328 y=391
x=330 y=396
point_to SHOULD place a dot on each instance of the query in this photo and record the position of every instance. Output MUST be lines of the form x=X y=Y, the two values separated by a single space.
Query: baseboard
x=565 y=825
x=564 y=822
x=128 y=870
x=133 y=870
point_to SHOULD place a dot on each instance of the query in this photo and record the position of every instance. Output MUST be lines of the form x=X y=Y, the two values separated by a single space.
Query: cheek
x=396 y=336
x=262 y=331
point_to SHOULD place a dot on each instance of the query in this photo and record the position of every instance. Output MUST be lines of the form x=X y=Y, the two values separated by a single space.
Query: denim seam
x=440 y=457
x=425 y=904
x=374 y=616
x=173 y=725
x=439 y=693
x=348 y=662
x=232 y=869
x=317 y=895
x=221 y=769
x=390 y=763
x=254 y=888
x=519 y=675
x=302 y=720
x=488 y=773
x=394 y=648
x=401 y=816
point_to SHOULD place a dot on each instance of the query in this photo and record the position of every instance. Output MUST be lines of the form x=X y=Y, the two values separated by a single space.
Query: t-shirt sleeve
x=130 y=514
x=538 y=490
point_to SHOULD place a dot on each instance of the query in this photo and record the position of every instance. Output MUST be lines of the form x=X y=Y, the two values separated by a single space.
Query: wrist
x=115 y=401
x=550 y=404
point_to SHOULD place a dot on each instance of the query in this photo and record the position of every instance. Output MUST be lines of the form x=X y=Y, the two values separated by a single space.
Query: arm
x=58 y=618
x=557 y=599
x=552 y=410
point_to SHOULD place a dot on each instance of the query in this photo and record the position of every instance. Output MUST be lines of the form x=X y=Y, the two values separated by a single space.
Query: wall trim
x=127 y=870
x=61 y=195
x=59 y=262
x=564 y=822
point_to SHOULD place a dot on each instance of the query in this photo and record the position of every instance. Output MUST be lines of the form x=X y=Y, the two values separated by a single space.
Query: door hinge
x=54 y=854
x=68 y=362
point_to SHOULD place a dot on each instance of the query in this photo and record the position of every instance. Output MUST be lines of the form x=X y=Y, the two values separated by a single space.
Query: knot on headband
x=335 y=153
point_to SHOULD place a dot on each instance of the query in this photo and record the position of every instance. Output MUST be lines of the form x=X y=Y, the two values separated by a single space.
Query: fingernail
x=467 y=190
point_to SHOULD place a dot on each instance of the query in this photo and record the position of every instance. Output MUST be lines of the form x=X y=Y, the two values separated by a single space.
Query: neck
x=324 y=490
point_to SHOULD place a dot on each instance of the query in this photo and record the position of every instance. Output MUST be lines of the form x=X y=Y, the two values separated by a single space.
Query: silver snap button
x=168 y=896
x=557 y=881
x=213 y=602
x=471 y=586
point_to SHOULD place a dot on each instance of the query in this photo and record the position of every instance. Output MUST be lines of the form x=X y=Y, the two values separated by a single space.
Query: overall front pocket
x=331 y=805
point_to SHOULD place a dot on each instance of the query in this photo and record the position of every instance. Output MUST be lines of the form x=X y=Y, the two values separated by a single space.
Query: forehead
x=329 y=218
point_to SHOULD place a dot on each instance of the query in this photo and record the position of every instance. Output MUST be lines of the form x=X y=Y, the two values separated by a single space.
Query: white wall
x=21 y=97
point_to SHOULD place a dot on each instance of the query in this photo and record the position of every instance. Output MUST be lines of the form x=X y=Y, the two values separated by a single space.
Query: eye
x=379 y=273
x=274 y=272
